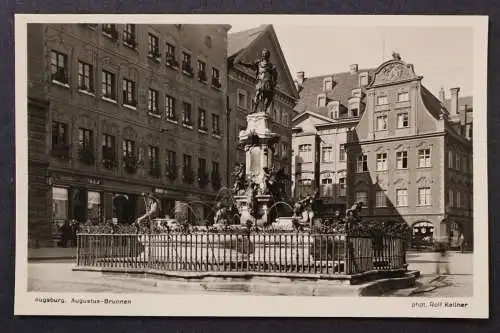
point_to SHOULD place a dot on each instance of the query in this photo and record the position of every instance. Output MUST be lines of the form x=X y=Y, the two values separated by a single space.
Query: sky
x=442 y=55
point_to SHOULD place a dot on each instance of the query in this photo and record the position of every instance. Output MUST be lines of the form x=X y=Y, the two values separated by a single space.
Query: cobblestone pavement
x=459 y=283
x=58 y=276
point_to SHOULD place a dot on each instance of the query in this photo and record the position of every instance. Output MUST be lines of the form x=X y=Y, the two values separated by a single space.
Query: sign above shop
x=95 y=181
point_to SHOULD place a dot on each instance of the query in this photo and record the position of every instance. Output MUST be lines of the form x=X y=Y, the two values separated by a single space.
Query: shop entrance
x=124 y=208
x=422 y=234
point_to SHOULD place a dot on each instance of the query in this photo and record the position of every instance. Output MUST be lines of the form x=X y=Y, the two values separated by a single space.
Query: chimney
x=299 y=81
x=441 y=95
x=353 y=69
x=300 y=77
x=454 y=101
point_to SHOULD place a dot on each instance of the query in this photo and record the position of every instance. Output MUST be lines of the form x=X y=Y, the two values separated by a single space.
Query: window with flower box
x=86 y=146
x=85 y=77
x=59 y=68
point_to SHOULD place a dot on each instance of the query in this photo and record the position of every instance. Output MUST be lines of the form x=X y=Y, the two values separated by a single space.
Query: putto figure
x=267 y=78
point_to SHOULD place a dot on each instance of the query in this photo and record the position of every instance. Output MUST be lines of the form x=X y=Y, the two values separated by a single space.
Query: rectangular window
x=153 y=46
x=381 y=123
x=403 y=120
x=402 y=160
x=202 y=120
x=424 y=196
x=382 y=100
x=170 y=52
x=59 y=134
x=128 y=148
x=202 y=71
x=186 y=63
x=94 y=207
x=305 y=153
x=216 y=124
x=450 y=159
x=362 y=196
x=342 y=187
x=458 y=160
x=326 y=187
x=381 y=199
x=362 y=163
x=129 y=35
x=85 y=77
x=382 y=162
x=216 y=78
x=129 y=92
x=108 y=150
x=342 y=154
x=354 y=112
x=424 y=158
x=171 y=164
x=242 y=99
x=59 y=67
x=465 y=164
x=215 y=167
x=186 y=114
x=170 y=107
x=187 y=162
x=154 y=163
x=108 y=85
x=60 y=205
x=109 y=30
x=459 y=199
x=403 y=97
x=327 y=154
x=402 y=197
x=153 y=96
x=451 y=202
x=85 y=138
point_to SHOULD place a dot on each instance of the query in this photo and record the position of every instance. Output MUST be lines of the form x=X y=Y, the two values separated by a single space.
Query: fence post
x=347 y=255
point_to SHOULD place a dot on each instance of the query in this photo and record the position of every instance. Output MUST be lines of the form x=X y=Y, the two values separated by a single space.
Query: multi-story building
x=410 y=155
x=246 y=46
x=328 y=108
x=116 y=110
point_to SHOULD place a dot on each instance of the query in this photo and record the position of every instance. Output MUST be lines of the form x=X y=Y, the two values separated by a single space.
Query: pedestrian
x=462 y=243
x=442 y=258
x=66 y=234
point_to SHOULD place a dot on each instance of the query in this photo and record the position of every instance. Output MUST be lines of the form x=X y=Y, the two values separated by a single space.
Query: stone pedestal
x=262 y=204
x=259 y=142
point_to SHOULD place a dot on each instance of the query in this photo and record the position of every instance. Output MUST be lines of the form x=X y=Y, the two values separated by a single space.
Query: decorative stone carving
x=394 y=71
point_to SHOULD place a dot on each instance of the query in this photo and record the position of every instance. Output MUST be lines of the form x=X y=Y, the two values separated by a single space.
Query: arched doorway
x=422 y=234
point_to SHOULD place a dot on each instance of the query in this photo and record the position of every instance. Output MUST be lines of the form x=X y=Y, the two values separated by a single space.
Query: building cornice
x=393 y=139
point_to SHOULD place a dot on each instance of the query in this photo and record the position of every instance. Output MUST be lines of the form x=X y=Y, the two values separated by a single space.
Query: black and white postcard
x=251 y=165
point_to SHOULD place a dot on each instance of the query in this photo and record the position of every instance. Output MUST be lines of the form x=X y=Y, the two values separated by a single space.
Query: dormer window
x=334 y=107
x=321 y=100
x=327 y=84
x=363 y=79
x=356 y=93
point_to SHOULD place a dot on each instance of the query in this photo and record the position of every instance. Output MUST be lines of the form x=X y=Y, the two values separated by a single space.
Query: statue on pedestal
x=267 y=78
x=240 y=180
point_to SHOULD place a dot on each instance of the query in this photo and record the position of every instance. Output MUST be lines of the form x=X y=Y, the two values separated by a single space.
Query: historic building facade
x=120 y=109
x=246 y=46
x=329 y=107
x=410 y=156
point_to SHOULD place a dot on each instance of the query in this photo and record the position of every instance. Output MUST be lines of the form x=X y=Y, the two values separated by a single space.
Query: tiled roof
x=462 y=101
x=343 y=84
x=240 y=40
x=431 y=102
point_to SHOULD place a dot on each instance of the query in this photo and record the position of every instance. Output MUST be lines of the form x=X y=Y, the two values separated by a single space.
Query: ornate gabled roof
x=343 y=85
